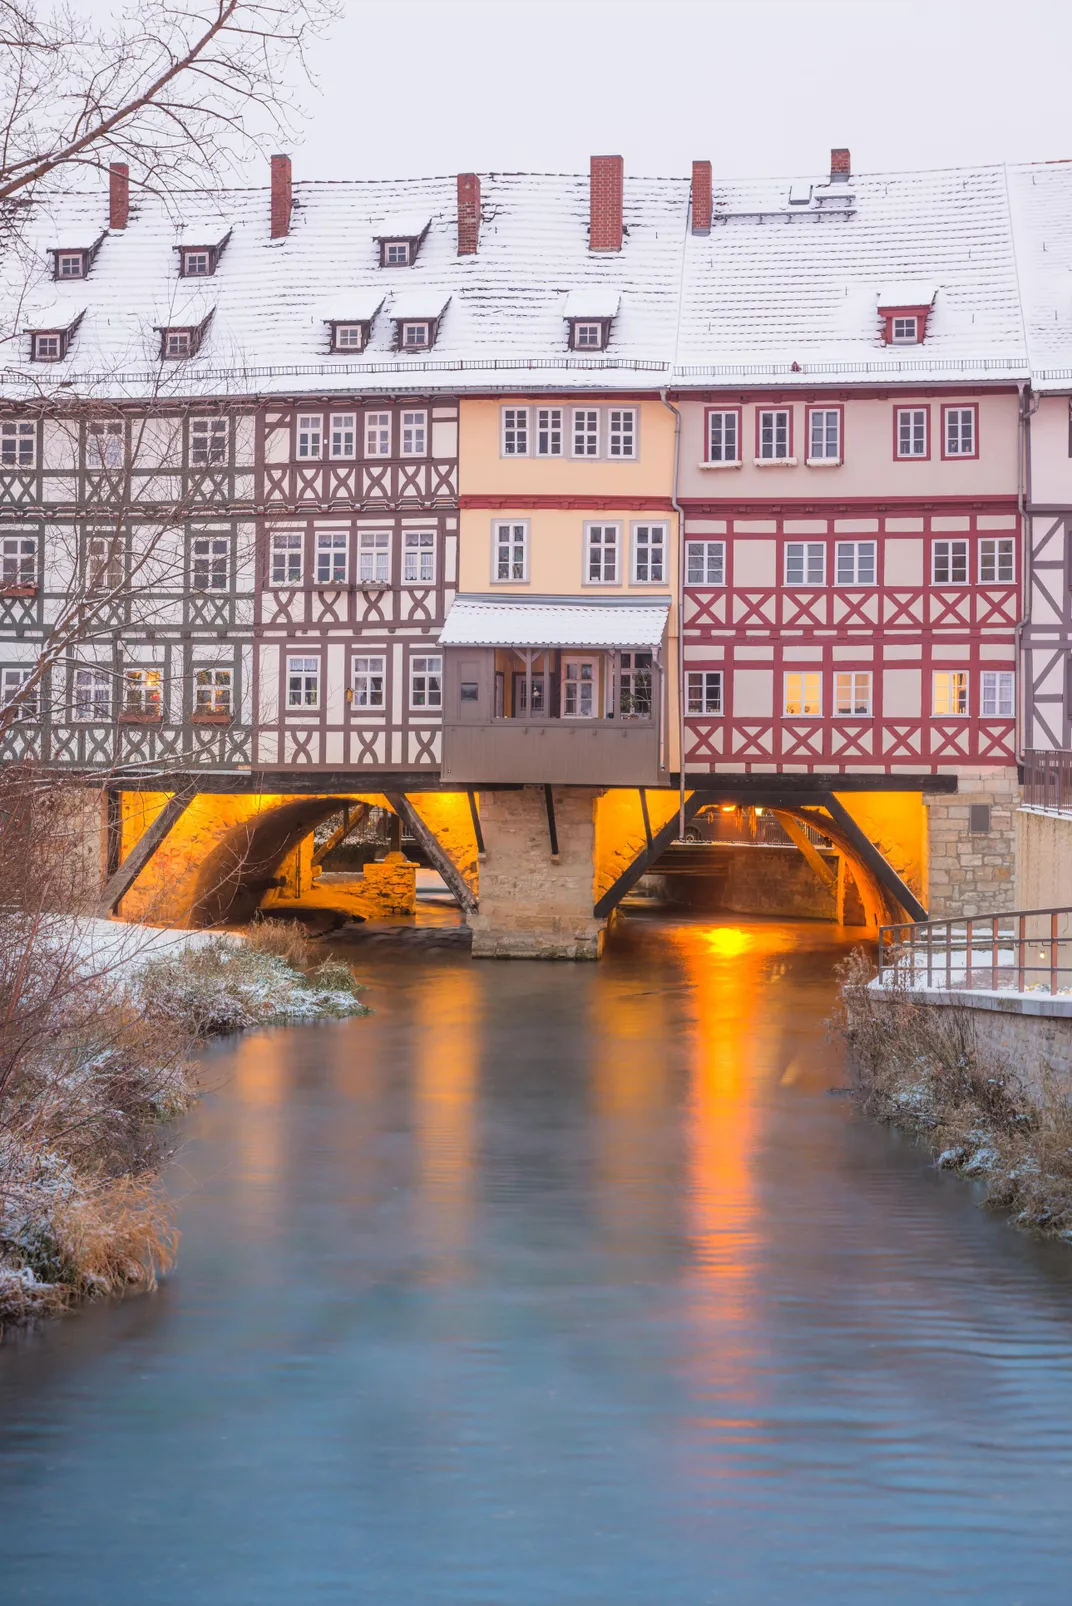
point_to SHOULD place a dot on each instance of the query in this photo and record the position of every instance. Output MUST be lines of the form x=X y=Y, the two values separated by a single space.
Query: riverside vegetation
x=98 y=1026
x=922 y=1068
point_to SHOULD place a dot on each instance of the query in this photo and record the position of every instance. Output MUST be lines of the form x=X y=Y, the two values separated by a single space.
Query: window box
x=132 y=718
x=212 y=719
x=18 y=591
x=374 y=585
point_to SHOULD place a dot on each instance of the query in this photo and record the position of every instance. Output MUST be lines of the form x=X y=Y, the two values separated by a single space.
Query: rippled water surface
x=556 y=1284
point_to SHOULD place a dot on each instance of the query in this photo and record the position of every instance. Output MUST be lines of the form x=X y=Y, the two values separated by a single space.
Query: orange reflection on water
x=446 y=1067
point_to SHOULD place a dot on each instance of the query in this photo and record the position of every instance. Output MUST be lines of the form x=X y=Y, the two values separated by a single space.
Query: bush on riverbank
x=921 y=1068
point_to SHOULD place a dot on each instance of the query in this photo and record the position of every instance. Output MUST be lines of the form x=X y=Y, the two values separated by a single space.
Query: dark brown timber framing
x=128 y=871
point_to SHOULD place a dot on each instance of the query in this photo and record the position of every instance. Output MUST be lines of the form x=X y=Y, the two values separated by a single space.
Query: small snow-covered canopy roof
x=908 y=293
x=353 y=306
x=592 y=301
x=418 y=303
x=403 y=226
x=480 y=621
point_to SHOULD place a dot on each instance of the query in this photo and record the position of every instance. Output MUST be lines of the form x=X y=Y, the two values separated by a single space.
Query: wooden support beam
x=798 y=835
x=647 y=856
x=474 y=813
x=865 y=850
x=350 y=822
x=442 y=861
x=124 y=877
x=647 y=817
x=552 y=828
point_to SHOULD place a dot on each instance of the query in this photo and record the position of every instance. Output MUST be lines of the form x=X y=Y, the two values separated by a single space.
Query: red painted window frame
x=779 y=407
x=887 y=314
x=898 y=457
x=961 y=457
x=825 y=407
x=707 y=432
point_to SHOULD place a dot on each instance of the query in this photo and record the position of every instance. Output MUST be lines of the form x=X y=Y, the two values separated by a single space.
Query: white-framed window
x=511 y=549
x=105 y=444
x=586 y=432
x=416 y=336
x=18 y=560
x=310 y=436
x=18 y=445
x=178 y=342
x=210 y=562
x=106 y=561
x=949 y=563
x=805 y=563
x=71 y=265
x=949 y=692
x=515 y=432
x=855 y=563
x=635 y=685
x=414 y=434
x=332 y=548
x=911 y=432
x=287 y=551
x=396 y=253
x=91 y=700
x=803 y=694
x=904 y=331
x=998 y=693
x=343 y=435
x=997 y=561
x=549 y=432
x=426 y=681
x=587 y=336
x=143 y=692
x=824 y=435
x=374 y=556
x=196 y=264
x=377 y=434
x=208 y=442
x=774 y=434
x=705 y=563
x=959 y=426
x=213 y=690
x=349 y=336
x=369 y=681
x=48 y=347
x=622 y=432
x=852 y=694
x=601 y=553
x=703 y=691
x=418 y=557
x=724 y=436
x=12 y=680
x=649 y=554
x=580 y=688
x=303 y=682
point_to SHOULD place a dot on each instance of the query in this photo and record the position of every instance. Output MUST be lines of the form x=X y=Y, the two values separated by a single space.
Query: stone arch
x=236 y=874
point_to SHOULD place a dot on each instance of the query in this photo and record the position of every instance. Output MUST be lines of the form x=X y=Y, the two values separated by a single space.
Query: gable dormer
x=590 y=314
x=903 y=310
x=400 y=240
x=350 y=335
x=201 y=261
x=178 y=341
x=75 y=261
x=52 y=345
x=416 y=316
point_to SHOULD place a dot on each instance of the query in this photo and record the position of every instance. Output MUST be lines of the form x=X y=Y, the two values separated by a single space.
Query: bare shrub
x=286 y=939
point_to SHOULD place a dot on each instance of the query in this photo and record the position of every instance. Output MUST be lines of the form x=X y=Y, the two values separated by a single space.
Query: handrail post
x=995 y=924
x=1053 y=954
x=1020 y=954
x=968 y=957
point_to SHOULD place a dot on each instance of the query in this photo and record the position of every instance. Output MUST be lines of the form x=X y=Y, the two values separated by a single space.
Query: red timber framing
x=904 y=616
x=356 y=568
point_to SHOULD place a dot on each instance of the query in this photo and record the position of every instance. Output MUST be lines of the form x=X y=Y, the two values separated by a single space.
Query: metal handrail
x=1023 y=950
x=1048 y=780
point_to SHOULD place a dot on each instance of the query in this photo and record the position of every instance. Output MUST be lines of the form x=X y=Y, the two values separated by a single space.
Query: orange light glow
x=728 y=941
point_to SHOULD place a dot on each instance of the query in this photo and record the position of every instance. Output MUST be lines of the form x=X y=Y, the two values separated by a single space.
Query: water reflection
x=556 y=1284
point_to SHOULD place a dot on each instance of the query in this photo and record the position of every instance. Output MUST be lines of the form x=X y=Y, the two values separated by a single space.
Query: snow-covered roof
x=482 y=621
x=1040 y=201
x=419 y=303
x=353 y=306
x=594 y=301
x=908 y=293
x=403 y=226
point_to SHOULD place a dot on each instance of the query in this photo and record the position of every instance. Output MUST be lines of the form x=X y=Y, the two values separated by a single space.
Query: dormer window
x=200 y=261
x=400 y=240
x=416 y=336
x=904 y=310
x=74 y=262
x=589 y=314
x=349 y=336
x=417 y=317
x=52 y=345
x=182 y=340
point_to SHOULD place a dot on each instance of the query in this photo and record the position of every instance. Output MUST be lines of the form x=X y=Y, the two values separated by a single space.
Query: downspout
x=679 y=510
x=1028 y=406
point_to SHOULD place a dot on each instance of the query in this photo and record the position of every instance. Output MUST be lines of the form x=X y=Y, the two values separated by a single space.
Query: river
x=555 y=1285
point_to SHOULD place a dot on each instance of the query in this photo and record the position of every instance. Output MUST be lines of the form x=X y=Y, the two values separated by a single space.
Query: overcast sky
x=409 y=87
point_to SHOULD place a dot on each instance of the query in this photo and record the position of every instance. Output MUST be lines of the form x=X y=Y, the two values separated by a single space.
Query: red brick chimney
x=118 y=195
x=281 y=196
x=840 y=166
x=605 y=202
x=468 y=214
x=701 y=197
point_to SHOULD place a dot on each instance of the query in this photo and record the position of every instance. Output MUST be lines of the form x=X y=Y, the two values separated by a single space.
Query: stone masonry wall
x=532 y=905
x=972 y=874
